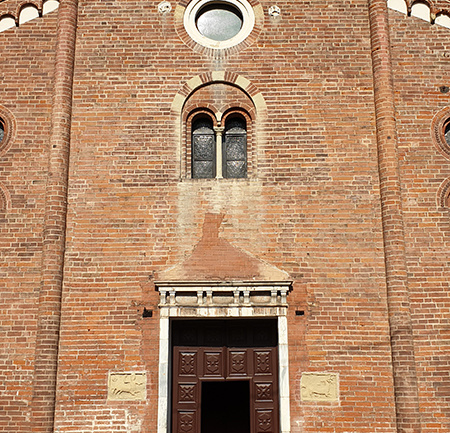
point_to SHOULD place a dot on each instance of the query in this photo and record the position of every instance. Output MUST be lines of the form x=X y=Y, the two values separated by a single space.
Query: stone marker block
x=319 y=387
x=127 y=386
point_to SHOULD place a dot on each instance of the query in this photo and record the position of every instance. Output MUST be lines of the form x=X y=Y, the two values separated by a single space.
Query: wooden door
x=199 y=370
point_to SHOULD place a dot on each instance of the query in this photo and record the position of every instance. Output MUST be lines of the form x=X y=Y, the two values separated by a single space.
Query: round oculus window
x=2 y=130
x=219 y=24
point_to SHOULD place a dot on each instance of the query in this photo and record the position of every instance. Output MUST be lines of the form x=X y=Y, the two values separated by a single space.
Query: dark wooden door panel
x=238 y=363
x=221 y=372
x=213 y=363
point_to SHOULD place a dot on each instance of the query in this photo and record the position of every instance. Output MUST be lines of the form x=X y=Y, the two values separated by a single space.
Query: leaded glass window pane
x=235 y=148
x=203 y=149
x=2 y=131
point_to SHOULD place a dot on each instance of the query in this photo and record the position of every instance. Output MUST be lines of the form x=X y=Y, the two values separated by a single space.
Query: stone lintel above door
x=224 y=299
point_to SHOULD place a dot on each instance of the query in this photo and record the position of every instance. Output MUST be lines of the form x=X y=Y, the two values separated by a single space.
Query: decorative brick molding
x=5 y=198
x=9 y=124
x=219 y=76
x=443 y=194
x=440 y=120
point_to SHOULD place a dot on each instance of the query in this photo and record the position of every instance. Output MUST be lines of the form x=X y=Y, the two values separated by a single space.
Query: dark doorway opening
x=225 y=407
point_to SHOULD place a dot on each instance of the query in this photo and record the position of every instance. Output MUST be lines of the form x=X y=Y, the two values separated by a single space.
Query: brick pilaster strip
x=47 y=339
x=402 y=345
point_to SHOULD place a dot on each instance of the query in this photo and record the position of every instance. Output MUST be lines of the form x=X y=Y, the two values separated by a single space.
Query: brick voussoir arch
x=443 y=195
x=219 y=77
x=438 y=123
x=9 y=123
x=5 y=198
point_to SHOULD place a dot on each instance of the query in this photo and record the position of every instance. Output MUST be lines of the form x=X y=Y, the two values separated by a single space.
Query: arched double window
x=219 y=151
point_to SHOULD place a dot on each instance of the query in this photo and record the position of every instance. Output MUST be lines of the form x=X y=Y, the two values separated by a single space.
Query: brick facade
x=346 y=199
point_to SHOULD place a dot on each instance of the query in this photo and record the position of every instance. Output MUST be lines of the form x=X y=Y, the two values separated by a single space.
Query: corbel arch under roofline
x=21 y=13
x=436 y=10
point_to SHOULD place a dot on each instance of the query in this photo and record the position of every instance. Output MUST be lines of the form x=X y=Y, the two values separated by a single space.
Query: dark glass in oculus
x=219 y=22
x=2 y=130
x=447 y=132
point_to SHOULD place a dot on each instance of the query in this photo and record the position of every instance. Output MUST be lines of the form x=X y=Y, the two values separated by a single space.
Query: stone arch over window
x=222 y=98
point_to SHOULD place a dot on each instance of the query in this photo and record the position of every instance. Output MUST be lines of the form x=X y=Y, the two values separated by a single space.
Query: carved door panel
x=231 y=357
x=265 y=390
x=185 y=391
x=194 y=365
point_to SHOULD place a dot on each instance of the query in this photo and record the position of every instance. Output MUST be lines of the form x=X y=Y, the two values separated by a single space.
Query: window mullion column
x=219 y=155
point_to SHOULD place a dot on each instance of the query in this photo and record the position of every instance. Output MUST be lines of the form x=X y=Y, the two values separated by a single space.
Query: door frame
x=248 y=300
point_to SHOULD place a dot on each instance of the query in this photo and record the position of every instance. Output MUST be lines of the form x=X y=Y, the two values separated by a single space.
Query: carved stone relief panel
x=127 y=386
x=319 y=387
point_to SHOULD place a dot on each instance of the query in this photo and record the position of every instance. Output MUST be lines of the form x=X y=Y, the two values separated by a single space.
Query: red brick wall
x=311 y=206
x=26 y=75
x=421 y=67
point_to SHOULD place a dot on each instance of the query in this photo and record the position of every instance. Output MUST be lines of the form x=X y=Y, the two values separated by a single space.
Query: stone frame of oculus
x=219 y=24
